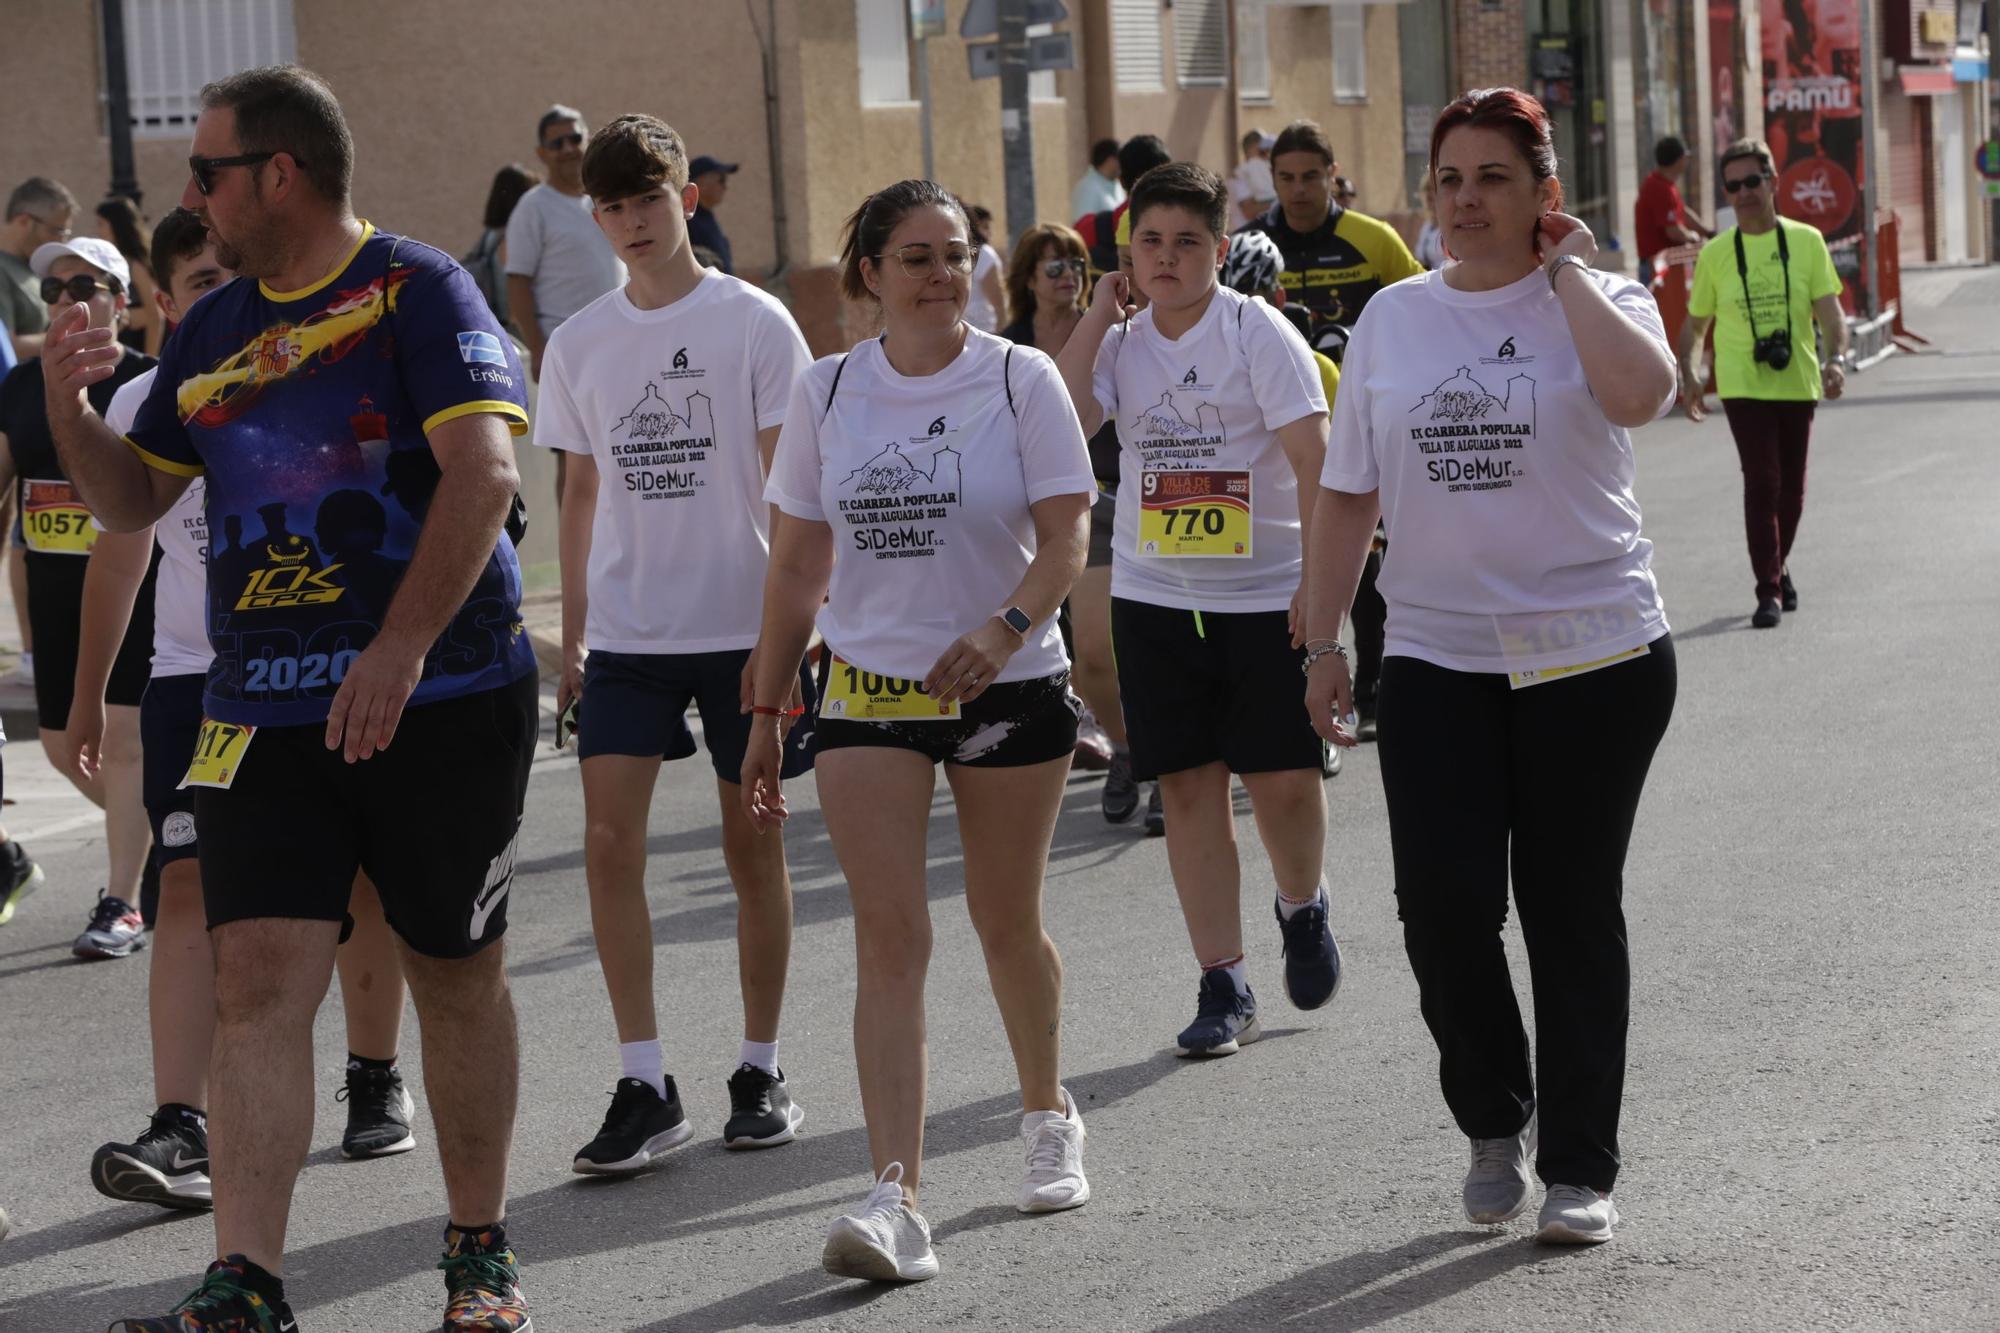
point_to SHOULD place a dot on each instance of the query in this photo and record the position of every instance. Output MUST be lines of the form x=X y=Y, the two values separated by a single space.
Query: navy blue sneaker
x=1312 y=959
x=1224 y=1019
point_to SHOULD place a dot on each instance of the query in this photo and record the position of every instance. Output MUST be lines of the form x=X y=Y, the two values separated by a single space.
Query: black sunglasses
x=204 y=168
x=1055 y=268
x=562 y=141
x=80 y=288
x=1750 y=182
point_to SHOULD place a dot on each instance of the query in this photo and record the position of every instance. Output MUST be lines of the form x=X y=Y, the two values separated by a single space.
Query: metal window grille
x=1136 y=54
x=1253 y=52
x=882 y=39
x=174 y=47
x=1201 y=43
x=1350 y=53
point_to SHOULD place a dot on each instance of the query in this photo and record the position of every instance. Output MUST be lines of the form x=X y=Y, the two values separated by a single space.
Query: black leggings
x=1546 y=780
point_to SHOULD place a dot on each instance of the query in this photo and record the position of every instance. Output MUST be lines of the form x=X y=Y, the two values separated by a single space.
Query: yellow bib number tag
x=54 y=521
x=863 y=696
x=1521 y=680
x=218 y=754
x=1194 y=513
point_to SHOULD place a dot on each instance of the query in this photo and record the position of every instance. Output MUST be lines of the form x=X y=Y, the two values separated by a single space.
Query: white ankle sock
x=644 y=1061
x=763 y=1054
x=1289 y=907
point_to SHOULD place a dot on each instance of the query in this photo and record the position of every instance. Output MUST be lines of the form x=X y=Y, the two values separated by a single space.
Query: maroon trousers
x=1771 y=439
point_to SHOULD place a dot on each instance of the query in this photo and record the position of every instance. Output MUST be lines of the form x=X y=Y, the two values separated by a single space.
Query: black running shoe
x=223 y=1303
x=1156 y=814
x=115 y=930
x=762 y=1113
x=1121 y=793
x=1788 y=596
x=1223 y=1018
x=167 y=1165
x=19 y=877
x=640 y=1126
x=1312 y=959
x=1767 y=615
x=379 y=1109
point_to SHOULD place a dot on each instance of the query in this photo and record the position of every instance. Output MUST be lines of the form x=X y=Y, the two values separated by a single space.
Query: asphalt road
x=1812 y=1135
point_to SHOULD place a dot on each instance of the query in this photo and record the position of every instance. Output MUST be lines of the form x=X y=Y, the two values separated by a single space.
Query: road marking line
x=1896 y=473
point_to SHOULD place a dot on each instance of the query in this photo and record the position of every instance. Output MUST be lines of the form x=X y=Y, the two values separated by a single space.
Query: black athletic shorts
x=1011 y=725
x=55 y=615
x=1198 y=687
x=433 y=819
x=169 y=724
x=636 y=704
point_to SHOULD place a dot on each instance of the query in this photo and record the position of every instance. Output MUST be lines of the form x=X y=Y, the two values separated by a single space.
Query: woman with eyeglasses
x=60 y=533
x=1528 y=675
x=934 y=494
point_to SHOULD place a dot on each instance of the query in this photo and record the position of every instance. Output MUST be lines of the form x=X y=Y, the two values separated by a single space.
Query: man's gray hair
x=39 y=196
x=555 y=115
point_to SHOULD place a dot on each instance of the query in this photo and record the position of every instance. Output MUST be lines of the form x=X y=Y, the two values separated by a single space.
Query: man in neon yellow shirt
x=1764 y=283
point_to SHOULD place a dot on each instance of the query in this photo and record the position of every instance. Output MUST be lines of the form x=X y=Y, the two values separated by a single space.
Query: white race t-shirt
x=926 y=483
x=1513 y=533
x=979 y=311
x=552 y=238
x=1211 y=400
x=180 y=589
x=669 y=402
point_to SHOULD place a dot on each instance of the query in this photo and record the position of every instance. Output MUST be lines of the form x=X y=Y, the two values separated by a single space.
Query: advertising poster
x=1812 y=119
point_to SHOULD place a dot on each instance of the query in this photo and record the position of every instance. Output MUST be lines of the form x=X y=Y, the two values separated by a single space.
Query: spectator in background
x=1098 y=188
x=1100 y=230
x=38 y=212
x=987 y=299
x=120 y=222
x=1660 y=219
x=1344 y=192
x=558 y=261
x=1430 y=239
x=712 y=178
x=486 y=260
x=1250 y=188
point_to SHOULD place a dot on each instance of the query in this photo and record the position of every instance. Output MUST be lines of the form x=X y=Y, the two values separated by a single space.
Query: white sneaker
x=1054 y=1140
x=1497 y=1187
x=884 y=1241
x=1574 y=1215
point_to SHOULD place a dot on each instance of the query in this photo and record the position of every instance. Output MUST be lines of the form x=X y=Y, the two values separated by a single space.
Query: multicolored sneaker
x=225 y=1302
x=484 y=1284
x=116 y=929
x=19 y=877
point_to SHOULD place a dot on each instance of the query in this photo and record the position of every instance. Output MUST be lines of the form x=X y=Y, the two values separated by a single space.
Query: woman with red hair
x=1528 y=674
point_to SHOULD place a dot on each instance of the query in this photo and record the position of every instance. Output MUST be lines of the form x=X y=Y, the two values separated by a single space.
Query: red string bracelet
x=762 y=711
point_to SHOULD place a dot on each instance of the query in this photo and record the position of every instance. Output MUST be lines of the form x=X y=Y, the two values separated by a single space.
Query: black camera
x=1774 y=349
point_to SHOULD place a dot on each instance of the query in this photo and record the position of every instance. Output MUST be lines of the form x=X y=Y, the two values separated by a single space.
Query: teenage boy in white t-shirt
x=667 y=394
x=1222 y=425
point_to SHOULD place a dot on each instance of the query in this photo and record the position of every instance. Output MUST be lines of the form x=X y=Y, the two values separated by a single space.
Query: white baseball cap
x=92 y=250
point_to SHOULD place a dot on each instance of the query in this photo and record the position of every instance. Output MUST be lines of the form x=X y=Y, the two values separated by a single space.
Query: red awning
x=1926 y=80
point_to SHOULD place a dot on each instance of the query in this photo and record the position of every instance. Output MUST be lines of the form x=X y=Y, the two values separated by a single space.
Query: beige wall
x=1367 y=136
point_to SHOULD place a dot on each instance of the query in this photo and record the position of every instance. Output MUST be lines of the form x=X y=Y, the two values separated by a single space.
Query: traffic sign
x=1054 y=50
x=982 y=19
x=1987 y=159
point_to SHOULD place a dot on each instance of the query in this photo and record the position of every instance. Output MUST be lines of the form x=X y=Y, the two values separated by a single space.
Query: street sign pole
x=924 y=96
x=1017 y=135
x=1869 y=85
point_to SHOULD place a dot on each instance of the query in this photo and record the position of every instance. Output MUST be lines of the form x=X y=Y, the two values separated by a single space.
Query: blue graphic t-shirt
x=307 y=413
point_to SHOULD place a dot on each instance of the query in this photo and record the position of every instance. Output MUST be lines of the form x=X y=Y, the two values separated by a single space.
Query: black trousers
x=1544 y=782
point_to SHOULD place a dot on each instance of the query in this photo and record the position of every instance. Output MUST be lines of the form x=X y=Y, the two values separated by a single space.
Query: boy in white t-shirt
x=1222 y=425
x=667 y=395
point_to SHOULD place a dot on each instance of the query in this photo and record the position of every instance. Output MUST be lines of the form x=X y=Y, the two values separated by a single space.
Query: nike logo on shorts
x=499 y=879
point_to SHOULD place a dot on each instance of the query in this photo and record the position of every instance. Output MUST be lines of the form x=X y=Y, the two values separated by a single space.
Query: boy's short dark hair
x=631 y=155
x=1668 y=151
x=1186 y=185
x=1139 y=155
x=1303 y=136
x=179 y=236
x=1102 y=149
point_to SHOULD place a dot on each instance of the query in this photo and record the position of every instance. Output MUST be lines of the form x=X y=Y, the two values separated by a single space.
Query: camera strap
x=1743 y=273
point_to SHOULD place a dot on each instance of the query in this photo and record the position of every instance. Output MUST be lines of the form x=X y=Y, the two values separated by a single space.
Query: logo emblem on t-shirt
x=1506 y=356
x=660 y=448
x=937 y=427
x=1469 y=435
x=1506 y=351
x=1190 y=377
x=476 y=346
x=681 y=359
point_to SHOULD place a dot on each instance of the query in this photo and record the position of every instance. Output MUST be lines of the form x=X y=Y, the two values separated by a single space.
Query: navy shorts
x=1011 y=725
x=636 y=704
x=169 y=725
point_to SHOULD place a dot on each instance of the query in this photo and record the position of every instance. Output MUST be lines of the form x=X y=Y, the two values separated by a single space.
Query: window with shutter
x=1350 y=53
x=174 y=47
x=1253 y=53
x=1136 y=54
x=1201 y=43
x=882 y=41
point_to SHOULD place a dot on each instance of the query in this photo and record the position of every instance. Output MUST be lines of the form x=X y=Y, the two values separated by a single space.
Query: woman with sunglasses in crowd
x=1486 y=409
x=934 y=495
x=60 y=532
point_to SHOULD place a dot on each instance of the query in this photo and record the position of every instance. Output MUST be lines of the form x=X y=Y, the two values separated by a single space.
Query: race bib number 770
x=1194 y=513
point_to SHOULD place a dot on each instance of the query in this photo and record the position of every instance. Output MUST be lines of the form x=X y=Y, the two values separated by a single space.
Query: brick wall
x=1492 y=43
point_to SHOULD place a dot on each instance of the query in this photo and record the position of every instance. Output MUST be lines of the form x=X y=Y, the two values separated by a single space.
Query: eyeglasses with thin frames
x=920 y=261
x=204 y=168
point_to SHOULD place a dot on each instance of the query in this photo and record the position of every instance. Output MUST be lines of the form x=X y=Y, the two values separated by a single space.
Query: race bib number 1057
x=1194 y=513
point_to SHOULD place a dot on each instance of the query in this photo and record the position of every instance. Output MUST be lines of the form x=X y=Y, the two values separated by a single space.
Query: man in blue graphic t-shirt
x=372 y=703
